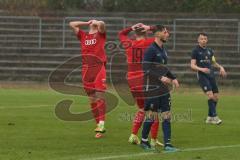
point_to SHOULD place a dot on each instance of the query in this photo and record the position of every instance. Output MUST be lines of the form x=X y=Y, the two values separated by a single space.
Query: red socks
x=154 y=129
x=139 y=118
x=95 y=112
x=101 y=109
x=98 y=110
x=137 y=123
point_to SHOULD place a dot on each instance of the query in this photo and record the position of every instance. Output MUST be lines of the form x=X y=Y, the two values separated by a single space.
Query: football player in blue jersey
x=203 y=61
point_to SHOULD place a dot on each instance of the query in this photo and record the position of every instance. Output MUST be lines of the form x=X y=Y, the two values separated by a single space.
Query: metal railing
x=238 y=37
x=226 y=29
x=16 y=29
x=21 y=31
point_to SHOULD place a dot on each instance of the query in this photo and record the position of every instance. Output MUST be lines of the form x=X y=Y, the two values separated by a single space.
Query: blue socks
x=146 y=128
x=212 y=108
x=166 y=127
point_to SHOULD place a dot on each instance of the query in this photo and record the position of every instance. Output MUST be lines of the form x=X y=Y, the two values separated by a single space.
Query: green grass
x=29 y=129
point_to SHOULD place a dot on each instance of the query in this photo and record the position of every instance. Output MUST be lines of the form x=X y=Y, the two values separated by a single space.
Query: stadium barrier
x=17 y=31
x=32 y=47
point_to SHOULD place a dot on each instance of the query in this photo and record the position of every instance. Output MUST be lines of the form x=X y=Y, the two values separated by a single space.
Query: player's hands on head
x=223 y=72
x=141 y=25
x=93 y=22
x=145 y=27
x=90 y=22
x=138 y=25
x=175 y=83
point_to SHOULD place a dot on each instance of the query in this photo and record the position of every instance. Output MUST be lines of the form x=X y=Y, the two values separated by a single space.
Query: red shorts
x=135 y=82
x=94 y=78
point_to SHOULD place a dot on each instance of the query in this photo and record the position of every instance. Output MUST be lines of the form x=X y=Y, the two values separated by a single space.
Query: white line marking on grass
x=145 y=154
x=120 y=156
x=209 y=148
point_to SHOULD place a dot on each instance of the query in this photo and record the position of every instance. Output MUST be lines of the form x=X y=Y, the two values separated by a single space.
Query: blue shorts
x=158 y=104
x=207 y=83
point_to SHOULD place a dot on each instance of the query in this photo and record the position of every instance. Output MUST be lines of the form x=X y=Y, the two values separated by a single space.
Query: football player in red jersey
x=135 y=52
x=93 y=67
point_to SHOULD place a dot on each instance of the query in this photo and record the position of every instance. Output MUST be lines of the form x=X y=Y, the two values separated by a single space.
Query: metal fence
x=224 y=34
x=21 y=31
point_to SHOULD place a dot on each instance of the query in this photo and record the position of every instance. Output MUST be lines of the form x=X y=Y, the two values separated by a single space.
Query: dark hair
x=203 y=34
x=139 y=31
x=159 y=27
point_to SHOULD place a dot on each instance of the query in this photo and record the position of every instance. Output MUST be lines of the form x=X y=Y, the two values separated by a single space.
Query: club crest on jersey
x=205 y=88
x=151 y=105
x=90 y=42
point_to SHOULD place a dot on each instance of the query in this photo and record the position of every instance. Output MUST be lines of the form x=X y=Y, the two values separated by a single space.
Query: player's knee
x=216 y=97
x=92 y=100
x=141 y=110
x=150 y=115
x=166 y=115
x=100 y=95
x=210 y=95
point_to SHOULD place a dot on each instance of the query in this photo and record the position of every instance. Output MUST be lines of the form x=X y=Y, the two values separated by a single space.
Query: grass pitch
x=29 y=129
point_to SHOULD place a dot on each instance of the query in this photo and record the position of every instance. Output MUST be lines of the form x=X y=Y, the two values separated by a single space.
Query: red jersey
x=92 y=45
x=134 y=51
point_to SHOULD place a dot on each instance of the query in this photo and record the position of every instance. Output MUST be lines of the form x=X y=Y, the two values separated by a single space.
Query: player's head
x=93 y=25
x=202 y=39
x=161 y=33
x=139 y=32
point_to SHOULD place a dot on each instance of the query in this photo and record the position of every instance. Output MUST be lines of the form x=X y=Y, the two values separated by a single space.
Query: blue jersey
x=154 y=58
x=204 y=58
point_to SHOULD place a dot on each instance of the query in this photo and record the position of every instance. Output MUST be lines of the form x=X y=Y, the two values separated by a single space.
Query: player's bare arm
x=221 y=68
x=147 y=28
x=141 y=25
x=196 y=68
x=123 y=34
x=135 y=26
x=167 y=80
x=75 y=25
x=175 y=83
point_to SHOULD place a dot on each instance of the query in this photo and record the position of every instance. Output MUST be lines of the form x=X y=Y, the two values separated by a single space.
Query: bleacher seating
x=32 y=47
